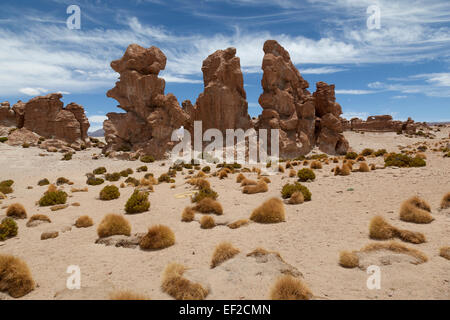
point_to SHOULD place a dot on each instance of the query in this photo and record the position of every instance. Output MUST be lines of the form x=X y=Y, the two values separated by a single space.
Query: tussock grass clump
x=157 y=237
x=100 y=170
x=380 y=152
x=271 y=211
x=16 y=211
x=142 y=169
x=109 y=193
x=222 y=253
x=265 y=179
x=237 y=224
x=132 y=181
x=348 y=259
x=445 y=202
x=306 y=174
x=147 y=159
x=289 y=288
x=188 y=214
x=223 y=174
x=207 y=222
x=292 y=173
x=403 y=160
x=206 y=169
x=367 y=152
x=115 y=176
x=296 y=198
x=316 y=165
x=85 y=189
x=15 y=276
x=396 y=247
x=8 y=229
x=137 y=203
x=379 y=229
x=200 y=183
x=204 y=193
x=49 y=235
x=51 y=198
x=43 y=182
x=38 y=217
x=127 y=295
x=280 y=168
x=445 y=252
x=92 y=181
x=363 y=167
x=165 y=177
x=239 y=178
x=415 y=210
x=351 y=155
x=6 y=189
x=61 y=180
x=208 y=205
x=260 y=187
x=113 y=224
x=373 y=166
x=67 y=156
x=421 y=155
x=248 y=182
x=180 y=288
x=360 y=158
x=84 y=222
x=289 y=189
x=344 y=170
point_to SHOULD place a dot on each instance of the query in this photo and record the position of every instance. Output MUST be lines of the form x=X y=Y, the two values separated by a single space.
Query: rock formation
x=304 y=120
x=46 y=116
x=223 y=103
x=383 y=123
x=151 y=116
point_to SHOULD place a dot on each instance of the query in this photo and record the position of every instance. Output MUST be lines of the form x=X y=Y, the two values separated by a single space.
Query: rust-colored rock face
x=304 y=120
x=382 y=123
x=46 y=116
x=151 y=116
x=223 y=103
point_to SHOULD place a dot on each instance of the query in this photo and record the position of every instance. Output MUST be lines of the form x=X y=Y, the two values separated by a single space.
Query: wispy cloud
x=354 y=92
x=322 y=70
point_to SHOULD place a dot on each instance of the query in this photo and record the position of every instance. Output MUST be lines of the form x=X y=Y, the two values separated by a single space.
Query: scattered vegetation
x=157 y=237
x=17 y=211
x=445 y=202
x=395 y=247
x=137 y=203
x=296 y=198
x=15 y=276
x=351 y=155
x=142 y=169
x=165 y=177
x=415 y=210
x=271 y=211
x=316 y=165
x=100 y=170
x=403 y=160
x=367 y=152
x=348 y=259
x=288 y=189
x=109 y=193
x=93 y=181
x=261 y=186
x=289 y=288
x=445 y=252
x=188 y=214
x=115 y=176
x=147 y=159
x=237 y=224
x=61 y=180
x=207 y=222
x=306 y=174
x=8 y=229
x=67 y=156
x=38 y=217
x=127 y=295
x=379 y=229
x=51 y=198
x=208 y=205
x=380 y=152
x=222 y=253
x=363 y=167
x=180 y=288
x=204 y=193
x=113 y=224
x=84 y=222
x=43 y=182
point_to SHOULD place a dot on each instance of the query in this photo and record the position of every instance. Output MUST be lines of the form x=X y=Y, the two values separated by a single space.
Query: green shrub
x=318 y=156
x=148 y=175
x=8 y=229
x=52 y=198
x=43 y=182
x=3 y=139
x=380 y=152
x=137 y=203
x=124 y=173
x=142 y=169
x=109 y=193
x=147 y=159
x=67 y=156
x=306 y=174
x=351 y=155
x=93 y=181
x=403 y=160
x=204 y=193
x=206 y=169
x=115 y=176
x=25 y=145
x=6 y=189
x=165 y=177
x=7 y=183
x=422 y=148
x=132 y=180
x=367 y=152
x=100 y=170
x=289 y=189
x=61 y=181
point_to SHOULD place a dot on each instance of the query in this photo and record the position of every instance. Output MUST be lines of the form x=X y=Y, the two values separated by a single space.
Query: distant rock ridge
x=380 y=123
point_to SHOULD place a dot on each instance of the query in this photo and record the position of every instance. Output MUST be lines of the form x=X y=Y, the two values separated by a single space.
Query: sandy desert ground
x=310 y=239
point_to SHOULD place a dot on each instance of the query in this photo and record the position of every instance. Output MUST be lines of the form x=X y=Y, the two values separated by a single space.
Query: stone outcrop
x=45 y=116
x=151 y=116
x=304 y=120
x=223 y=103
x=382 y=123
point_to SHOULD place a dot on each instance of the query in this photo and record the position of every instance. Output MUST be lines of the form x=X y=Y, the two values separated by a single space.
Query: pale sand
x=310 y=240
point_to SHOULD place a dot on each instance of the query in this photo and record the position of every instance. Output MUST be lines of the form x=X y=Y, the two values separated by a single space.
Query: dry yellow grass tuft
x=280 y=168
x=290 y=288
x=316 y=165
x=348 y=259
x=396 y=247
x=49 y=235
x=296 y=198
x=207 y=222
x=223 y=174
x=265 y=179
x=445 y=202
x=17 y=211
x=379 y=229
x=237 y=224
x=271 y=211
x=38 y=217
x=445 y=252
x=223 y=252
x=292 y=173
x=15 y=276
x=113 y=224
x=84 y=222
x=363 y=167
x=415 y=210
x=85 y=189
x=52 y=188
x=421 y=155
x=188 y=214
x=373 y=166
x=200 y=174
x=180 y=288
x=345 y=170
x=158 y=237
x=239 y=178
x=208 y=205
x=248 y=182
x=260 y=187
x=127 y=295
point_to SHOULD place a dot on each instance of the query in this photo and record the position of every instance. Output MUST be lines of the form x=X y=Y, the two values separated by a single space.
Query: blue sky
x=402 y=68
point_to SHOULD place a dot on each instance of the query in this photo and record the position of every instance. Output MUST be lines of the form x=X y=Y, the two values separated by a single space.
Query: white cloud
x=352 y=114
x=33 y=91
x=321 y=70
x=354 y=92
x=97 y=119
